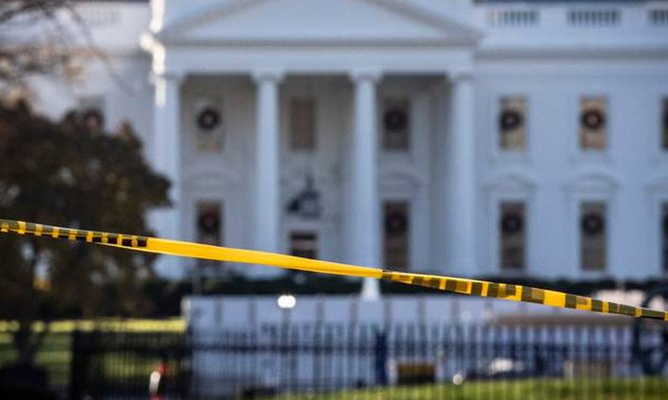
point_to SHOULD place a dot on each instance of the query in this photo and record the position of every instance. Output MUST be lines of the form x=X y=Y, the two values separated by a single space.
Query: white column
x=267 y=195
x=460 y=178
x=364 y=207
x=167 y=161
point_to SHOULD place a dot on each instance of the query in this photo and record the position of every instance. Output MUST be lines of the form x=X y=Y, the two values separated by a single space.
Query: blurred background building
x=462 y=137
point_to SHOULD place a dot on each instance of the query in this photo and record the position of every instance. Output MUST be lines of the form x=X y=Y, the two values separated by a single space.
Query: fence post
x=77 y=366
x=381 y=358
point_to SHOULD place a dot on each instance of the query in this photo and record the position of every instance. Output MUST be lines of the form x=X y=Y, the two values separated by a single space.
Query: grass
x=103 y=324
x=539 y=389
x=55 y=353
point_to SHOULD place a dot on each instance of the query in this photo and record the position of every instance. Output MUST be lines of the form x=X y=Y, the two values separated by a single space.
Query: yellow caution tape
x=469 y=287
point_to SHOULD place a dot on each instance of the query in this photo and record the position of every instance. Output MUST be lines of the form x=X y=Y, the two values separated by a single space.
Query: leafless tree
x=41 y=37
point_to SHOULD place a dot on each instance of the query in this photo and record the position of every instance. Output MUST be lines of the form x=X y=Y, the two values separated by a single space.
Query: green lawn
x=55 y=353
x=538 y=389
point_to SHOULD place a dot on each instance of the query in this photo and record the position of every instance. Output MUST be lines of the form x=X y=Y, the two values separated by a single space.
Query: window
x=512 y=235
x=664 y=124
x=593 y=123
x=304 y=244
x=593 y=233
x=396 y=125
x=396 y=234
x=664 y=236
x=209 y=225
x=512 y=123
x=302 y=124
x=209 y=126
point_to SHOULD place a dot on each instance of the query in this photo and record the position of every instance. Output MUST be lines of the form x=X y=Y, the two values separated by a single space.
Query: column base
x=370 y=290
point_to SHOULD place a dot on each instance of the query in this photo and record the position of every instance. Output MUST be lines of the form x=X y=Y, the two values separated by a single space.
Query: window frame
x=410 y=234
x=657 y=195
x=498 y=154
x=410 y=127
x=592 y=187
x=196 y=102
x=606 y=233
x=581 y=154
x=525 y=222
x=510 y=187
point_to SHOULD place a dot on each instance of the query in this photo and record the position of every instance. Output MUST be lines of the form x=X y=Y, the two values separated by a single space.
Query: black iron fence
x=367 y=361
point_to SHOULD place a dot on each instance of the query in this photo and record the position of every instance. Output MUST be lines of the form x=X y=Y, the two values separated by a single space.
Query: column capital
x=362 y=74
x=462 y=75
x=268 y=74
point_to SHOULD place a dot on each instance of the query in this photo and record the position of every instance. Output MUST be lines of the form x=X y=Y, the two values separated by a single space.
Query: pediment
x=511 y=182
x=594 y=182
x=342 y=21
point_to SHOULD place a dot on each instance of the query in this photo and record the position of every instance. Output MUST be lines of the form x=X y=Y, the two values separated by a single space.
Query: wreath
x=208 y=119
x=593 y=119
x=396 y=120
x=396 y=224
x=512 y=223
x=510 y=119
x=593 y=224
x=209 y=223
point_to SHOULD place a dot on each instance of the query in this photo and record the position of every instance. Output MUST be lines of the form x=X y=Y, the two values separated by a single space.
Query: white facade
x=452 y=63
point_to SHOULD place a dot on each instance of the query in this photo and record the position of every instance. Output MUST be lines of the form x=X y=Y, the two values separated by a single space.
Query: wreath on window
x=93 y=118
x=593 y=224
x=512 y=223
x=209 y=223
x=396 y=224
x=208 y=119
x=396 y=120
x=510 y=119
x=593 y=119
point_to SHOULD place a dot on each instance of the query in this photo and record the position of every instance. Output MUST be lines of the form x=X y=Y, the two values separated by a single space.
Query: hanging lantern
x=395 y=120
x=307 y=203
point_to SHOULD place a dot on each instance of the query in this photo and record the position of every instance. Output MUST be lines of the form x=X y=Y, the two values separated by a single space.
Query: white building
x=458 y=137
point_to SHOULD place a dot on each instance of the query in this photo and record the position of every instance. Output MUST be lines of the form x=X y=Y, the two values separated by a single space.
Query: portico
x=209 y=57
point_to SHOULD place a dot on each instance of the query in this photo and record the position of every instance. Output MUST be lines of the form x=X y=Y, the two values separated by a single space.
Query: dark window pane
x=664 y=235
x=396 y=125
x=512 y=230
x=209 y=225
x=396 y=219
x=593 y=121
x=304 y=244
x=664 y=125
x=512 y=123
x=593 y=235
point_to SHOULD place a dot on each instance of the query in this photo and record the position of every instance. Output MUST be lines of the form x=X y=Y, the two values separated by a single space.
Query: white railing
x=658 y=16
x=514 y=18
x=500 y=16
x=593 y=17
